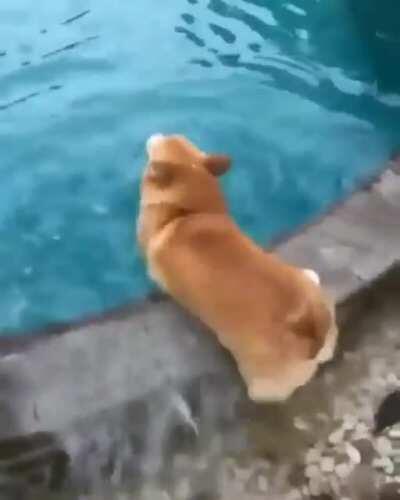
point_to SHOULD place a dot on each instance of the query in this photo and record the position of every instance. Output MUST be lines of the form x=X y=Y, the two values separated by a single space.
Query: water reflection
x=301 y=49
x=69 y=46
x=76 y=17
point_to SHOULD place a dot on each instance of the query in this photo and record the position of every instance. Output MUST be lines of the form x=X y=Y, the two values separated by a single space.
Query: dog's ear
x=160 y=172
x=217 y=164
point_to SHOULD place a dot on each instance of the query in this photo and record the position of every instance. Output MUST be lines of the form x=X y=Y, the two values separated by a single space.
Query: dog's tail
x=310 y=325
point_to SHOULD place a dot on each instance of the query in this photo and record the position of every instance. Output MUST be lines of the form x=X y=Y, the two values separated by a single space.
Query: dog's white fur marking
x=328 y=349
x=264 y=390
x=152 y=141
x=314 y=276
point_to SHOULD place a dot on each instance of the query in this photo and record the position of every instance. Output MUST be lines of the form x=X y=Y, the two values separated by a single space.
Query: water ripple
x=19 y=100
x=190 y=36
x=70 y=46
x=224 y=33
x=264 y=25
x=188 y=18
x=76 y=17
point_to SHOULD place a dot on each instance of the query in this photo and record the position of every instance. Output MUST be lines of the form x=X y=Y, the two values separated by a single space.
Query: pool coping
x=154 y=344
x=355 y=241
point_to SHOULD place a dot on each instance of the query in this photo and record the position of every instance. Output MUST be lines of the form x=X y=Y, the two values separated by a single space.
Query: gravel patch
x=324 y=443
x=336 y=439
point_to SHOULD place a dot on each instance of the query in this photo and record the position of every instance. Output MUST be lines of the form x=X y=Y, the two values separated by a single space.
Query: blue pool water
x=289 y=89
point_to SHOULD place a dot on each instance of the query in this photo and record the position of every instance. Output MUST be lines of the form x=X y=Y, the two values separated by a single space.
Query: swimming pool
x=289 y=89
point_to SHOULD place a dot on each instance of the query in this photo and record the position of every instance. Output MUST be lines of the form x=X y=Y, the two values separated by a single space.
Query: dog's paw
x=314 y=276
x=278 y=387
x=264 y=391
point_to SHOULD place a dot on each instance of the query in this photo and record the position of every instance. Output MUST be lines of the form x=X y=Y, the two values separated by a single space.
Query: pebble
x=361 y=431
x=312 y=456
x=381 y=463
x=312 y=471
x=389 y=468
x=301 y=424
x=327 y=464
x=383 y=446
x=262 y=483
x=315 y=487
x=353 y=454
x=349 y=422
x=342 y=470
x=305 y=490
x=336 y=436
x=394 y=433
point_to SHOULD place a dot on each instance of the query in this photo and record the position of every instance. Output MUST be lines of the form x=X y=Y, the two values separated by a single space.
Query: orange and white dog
x=274 y=318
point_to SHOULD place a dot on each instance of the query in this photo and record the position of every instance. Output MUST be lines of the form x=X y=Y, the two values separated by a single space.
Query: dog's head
x=178 y=150
x=179 y=173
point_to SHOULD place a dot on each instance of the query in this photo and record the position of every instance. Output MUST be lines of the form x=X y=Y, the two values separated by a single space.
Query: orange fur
x=273 y=317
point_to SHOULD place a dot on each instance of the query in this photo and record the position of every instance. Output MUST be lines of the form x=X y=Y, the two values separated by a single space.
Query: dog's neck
x=158 y=215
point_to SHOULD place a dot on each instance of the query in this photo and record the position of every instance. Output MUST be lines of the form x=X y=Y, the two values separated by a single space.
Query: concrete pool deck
x=357 y=242
x=149 y=372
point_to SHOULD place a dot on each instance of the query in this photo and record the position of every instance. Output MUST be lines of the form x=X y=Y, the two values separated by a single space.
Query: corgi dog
x=274 y=318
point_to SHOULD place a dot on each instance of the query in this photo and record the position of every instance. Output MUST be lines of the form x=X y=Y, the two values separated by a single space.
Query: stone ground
x=319 y=445
x=322 y=443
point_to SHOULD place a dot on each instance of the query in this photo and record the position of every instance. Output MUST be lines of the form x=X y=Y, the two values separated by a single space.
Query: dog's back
x=258 y=306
